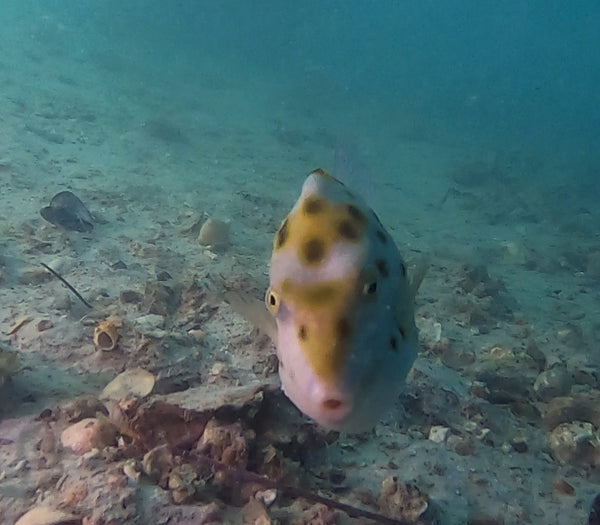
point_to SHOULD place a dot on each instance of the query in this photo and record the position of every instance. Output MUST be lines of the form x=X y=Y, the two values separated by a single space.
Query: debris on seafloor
x=211 y=451
x=215 y=233
x=67 y=211
x=44 y=515
x=135 y=382
x=9 y=362
x=19 y=323
x=106 y=336
x=67 y=284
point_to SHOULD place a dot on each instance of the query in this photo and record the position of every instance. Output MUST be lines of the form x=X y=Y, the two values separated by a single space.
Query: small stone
x=151 y=325
x=47 y=516
x=562 y=486
x=44 y=324
x=34 y=276
x=438 y=433
x=157 y=463
x=214 y=233
x=135 y=382
x=133 y=469
x=88 y=434
x=267 y=496
x=62 y=302
x=401 y=500
x=575 y=443
x=130 y=297
x=519 y=444
x=119 y=265
x=552 y=383
x=256 y=513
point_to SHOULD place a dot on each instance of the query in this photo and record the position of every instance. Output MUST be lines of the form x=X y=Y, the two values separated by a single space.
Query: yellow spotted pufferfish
x=343 y=305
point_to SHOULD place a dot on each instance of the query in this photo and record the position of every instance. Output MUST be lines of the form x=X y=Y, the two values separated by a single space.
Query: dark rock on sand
x=68 y=212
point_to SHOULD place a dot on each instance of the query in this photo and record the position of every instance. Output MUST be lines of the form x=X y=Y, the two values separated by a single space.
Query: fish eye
x=272 y=301
x=370 y=288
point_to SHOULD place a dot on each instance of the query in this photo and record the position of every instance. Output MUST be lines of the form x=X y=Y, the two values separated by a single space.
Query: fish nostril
x=332 y=404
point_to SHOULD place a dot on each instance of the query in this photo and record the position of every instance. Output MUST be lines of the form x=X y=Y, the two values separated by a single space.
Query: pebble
x=214 y=233
x=438 y=433
x=552 y=383
x=88 y=434
x=47 y=516
x=151 y=325
x=135 y=382
x=575 y=443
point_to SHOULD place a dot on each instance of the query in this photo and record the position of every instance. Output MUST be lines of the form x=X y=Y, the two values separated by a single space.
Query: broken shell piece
x=88 y=434
x=47 y=516
x=106 y=336
x=401 y=500
x=134 y=382
x=215 y=233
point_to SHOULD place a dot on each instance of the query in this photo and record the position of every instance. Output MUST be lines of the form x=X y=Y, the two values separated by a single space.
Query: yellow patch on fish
x=343 y=307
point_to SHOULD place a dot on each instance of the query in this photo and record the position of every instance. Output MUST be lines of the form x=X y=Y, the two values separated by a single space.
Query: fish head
x=337 y=286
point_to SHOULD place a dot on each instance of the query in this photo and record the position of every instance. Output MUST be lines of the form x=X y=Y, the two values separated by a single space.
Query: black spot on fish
x=68 y=212
x=394 y=344
x=302 y=335
x=381 y=236
x=282 y=234
x=348 y=231
x=313 y=251
x=344 y=329
x=383 y=267
x=313 y=205
x=356 y=214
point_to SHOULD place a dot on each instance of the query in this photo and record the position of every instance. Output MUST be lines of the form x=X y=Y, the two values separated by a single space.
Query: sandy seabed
x=499 y=420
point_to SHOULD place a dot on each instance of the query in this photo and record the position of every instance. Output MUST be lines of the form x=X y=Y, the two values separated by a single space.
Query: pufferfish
x=343 y=306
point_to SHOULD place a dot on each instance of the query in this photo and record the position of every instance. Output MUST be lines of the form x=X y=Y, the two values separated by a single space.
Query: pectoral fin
x=254 y=311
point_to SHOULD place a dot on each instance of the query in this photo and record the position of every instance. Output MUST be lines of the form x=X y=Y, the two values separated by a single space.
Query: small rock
x=47 y=516
x=519 y=444
x=163 y=276
x=135 y=382
x=119 y=265
x=34 y=276
x=130 y=296
x=157 y=463
x=182 y=483
x=575 y=443
x=457 y=358
x=151 y=325
x=82 y=407
x=552 y=383
x=132 y=468
x=88 y=434
x=256 y=513
x=579 y=407
x=44 y=324
x=438 y=433
x=562 y=486
x=214 y=233
x=404 y=501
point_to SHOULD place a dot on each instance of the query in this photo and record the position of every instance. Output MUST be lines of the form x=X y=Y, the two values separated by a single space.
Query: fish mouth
x=330 y=408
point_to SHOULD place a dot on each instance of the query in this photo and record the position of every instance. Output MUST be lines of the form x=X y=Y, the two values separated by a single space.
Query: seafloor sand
x=513 y=288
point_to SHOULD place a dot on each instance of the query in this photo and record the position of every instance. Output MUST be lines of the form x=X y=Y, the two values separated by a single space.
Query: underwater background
x=472 y=128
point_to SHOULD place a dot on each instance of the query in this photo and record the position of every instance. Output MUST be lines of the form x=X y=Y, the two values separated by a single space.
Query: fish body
x=343 y=307
x=67 y=211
